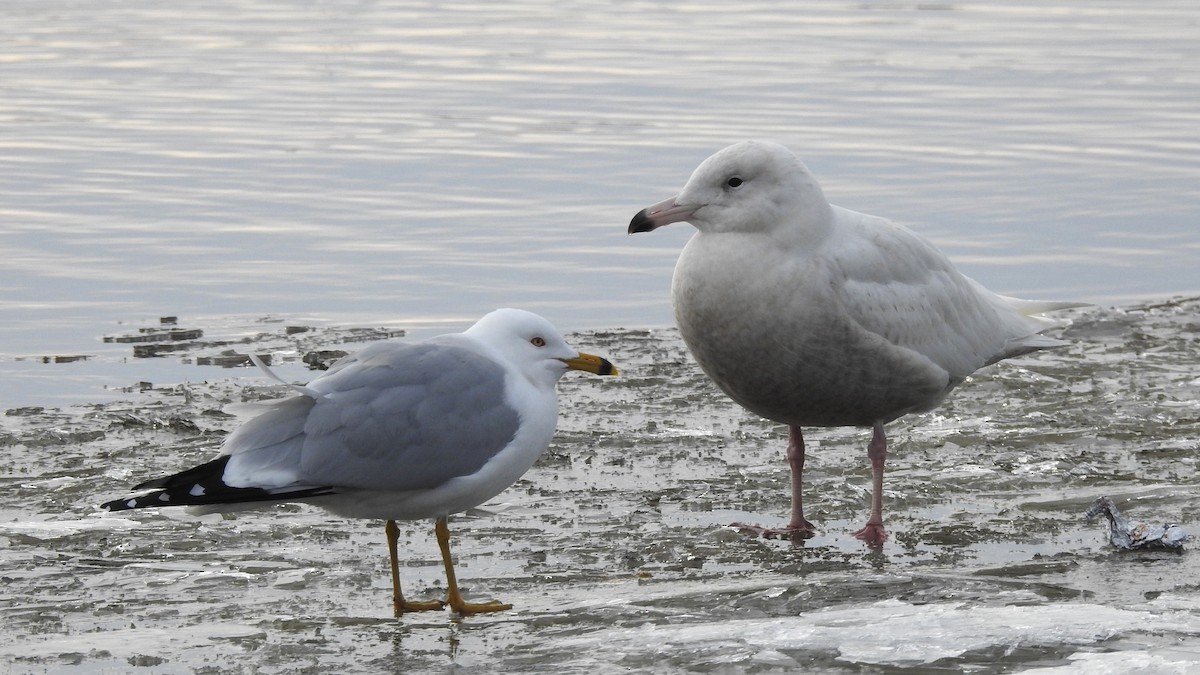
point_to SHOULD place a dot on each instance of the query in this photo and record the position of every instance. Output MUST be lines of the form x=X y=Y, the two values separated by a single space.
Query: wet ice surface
x=612 y=549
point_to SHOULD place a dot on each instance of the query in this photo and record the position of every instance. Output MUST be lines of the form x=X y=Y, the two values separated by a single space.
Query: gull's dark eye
x=538 y=342
x=734 y=182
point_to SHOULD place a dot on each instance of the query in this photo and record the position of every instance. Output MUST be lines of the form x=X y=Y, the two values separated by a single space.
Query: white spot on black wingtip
x=132 y=503
x=164 y=497
x=197 y=490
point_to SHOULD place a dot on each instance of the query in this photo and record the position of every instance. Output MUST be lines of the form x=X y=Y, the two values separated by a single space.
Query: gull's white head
x=752 y=186
x=533 y=346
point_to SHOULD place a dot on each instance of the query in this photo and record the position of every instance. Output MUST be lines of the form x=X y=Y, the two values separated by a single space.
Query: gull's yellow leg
x=453 y=597
x=399 y=604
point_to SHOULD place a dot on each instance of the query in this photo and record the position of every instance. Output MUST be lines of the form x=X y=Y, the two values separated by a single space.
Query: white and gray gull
x=397 y=431
x=810 y=314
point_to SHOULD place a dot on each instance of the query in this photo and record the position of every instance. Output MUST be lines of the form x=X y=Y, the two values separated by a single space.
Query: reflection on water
x=415 y=161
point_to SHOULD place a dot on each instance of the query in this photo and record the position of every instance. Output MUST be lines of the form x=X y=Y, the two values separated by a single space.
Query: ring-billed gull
x=809 y=314
x=397 y=431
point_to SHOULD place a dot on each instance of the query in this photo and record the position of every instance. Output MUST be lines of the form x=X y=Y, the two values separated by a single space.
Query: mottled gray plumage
x=811 y=314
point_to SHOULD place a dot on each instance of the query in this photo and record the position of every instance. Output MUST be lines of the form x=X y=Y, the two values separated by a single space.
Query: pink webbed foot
x=871 y=534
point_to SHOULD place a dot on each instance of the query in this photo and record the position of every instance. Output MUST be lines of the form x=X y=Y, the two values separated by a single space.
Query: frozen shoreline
x=612 y=548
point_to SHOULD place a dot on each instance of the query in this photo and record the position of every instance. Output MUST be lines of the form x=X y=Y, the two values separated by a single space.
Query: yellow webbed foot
x=465 y=608
x=400 y=606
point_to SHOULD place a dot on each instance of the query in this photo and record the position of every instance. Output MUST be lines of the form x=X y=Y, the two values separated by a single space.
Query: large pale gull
x=810 y=314
x=398 y=431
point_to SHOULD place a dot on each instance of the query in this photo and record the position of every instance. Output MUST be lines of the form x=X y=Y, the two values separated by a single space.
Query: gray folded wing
x=392 y=417
x=897 y=285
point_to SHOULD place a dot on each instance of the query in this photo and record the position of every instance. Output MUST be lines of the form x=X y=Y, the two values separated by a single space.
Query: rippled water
x=422 y=163
x=612 y=549
x=408 y=166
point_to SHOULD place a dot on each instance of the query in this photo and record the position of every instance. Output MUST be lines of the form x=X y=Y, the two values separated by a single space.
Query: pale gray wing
x=394 y=416
x=897 y=285
x=265 y=451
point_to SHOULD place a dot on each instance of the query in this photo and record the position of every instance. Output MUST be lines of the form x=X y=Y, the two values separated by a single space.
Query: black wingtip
x=157 y=498
x=202 y=485
x=120 y=504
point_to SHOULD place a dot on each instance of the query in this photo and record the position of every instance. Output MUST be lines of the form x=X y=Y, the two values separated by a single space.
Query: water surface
x=424 y=163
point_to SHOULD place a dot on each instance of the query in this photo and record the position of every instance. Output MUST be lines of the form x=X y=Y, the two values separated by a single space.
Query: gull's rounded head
x=750 y=187
x=533 y=346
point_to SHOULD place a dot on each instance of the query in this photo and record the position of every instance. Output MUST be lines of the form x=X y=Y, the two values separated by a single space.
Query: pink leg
x=795 y=455
x=797 y=524
x=872 y=533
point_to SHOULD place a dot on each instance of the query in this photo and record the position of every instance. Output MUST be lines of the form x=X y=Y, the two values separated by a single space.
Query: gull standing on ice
x=810 y=314
x=398 y=431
